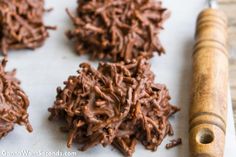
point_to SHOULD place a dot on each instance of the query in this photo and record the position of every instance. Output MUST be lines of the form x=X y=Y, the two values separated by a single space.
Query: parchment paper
x=46 y=68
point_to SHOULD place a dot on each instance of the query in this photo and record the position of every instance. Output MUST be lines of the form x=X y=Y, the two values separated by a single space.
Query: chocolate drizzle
x=13 y=102
x=21 y=24
x=118 y=29
x=117 y=104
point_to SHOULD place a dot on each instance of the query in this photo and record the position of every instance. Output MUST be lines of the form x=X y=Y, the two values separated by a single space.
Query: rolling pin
x=208 y=110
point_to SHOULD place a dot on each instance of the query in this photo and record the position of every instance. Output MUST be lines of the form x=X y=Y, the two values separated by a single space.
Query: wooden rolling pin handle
x=210 y=84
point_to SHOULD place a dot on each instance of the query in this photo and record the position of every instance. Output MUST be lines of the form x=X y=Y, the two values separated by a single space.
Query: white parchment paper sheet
x=46 y=68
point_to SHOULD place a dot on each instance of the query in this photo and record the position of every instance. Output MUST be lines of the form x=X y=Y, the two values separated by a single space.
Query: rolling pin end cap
x=206 y=141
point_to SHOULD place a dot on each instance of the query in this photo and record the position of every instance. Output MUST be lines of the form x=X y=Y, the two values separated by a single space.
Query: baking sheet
x=46 y=68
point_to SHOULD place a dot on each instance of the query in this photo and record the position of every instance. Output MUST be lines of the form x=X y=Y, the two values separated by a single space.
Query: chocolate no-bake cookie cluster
x=13 y=102
x=118 y=29
x=21 y=24
x=117 y=103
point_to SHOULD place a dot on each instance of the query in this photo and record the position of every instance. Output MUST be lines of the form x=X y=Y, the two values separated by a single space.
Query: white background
x=42 y=70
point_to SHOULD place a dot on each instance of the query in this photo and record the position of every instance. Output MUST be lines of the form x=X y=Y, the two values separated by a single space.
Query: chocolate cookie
x=21 y=24
x=118 y=104
x=118 y=29
x=13 y=102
